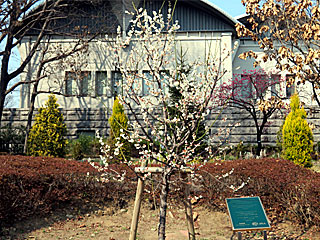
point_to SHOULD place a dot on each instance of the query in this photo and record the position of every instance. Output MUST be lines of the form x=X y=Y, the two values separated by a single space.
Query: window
x=77 y=83
x=275 y=85
x=245 y=90
x=70 y=78
x=146 y=85
x=87 y=133
x=117 y=81
x=101 y=85
x=290 y=87
x=253 y=85
x=261 y=84
x=152 y=84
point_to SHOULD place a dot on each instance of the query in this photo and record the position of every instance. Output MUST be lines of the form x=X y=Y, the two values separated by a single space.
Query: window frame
x=73 y=79
x=290 y=90
x=104 y=84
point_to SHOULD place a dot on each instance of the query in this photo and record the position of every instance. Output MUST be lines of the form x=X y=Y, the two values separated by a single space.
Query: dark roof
x=104 y=16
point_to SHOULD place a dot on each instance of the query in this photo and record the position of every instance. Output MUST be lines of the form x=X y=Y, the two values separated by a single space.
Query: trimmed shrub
x=118 y=125
x=287 y=190
x=84 y=146
x=38 y=185
x=12 y=139
x=297 y=137
x=46 y=136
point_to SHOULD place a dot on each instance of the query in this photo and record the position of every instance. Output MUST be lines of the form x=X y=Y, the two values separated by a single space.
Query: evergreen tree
x=119 y=125
x=297 y=137
x=47 y=135
x=176 y=97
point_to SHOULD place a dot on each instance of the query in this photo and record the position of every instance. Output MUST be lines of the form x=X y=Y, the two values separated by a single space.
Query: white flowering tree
x=147 y=59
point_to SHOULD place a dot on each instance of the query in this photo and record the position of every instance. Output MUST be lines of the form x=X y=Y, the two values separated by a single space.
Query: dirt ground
x=109 y=223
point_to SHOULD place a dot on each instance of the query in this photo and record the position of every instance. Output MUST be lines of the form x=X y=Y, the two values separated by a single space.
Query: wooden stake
x=136 y=209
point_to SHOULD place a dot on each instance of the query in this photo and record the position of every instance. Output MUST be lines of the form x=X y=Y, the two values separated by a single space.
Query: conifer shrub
x=118 y=128
x=175 y=98
x=47 y=135
x=297 y=137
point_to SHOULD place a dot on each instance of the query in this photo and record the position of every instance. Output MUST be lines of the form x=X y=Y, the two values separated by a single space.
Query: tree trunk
x=30 y=113
x=2 y=100
x=163 y=204
x=259 y=147
x=4 y=80
x=188 y=207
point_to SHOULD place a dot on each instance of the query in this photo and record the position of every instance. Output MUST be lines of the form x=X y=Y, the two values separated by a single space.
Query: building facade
x=87 y=81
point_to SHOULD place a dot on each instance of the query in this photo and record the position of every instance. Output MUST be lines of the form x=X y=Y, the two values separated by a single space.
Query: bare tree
x=18 y=18
x=50 y=56
x=42 y=18
x=79 y=21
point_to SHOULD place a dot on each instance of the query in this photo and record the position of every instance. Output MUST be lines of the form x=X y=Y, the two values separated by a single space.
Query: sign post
x=247 y=214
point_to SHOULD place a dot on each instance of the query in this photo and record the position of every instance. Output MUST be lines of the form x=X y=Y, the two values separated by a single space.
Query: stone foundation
x=87 y=121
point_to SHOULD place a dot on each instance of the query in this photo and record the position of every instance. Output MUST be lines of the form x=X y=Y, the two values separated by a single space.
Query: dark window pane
x=275 y=85
x=117 y=82
x=101 y=83
x=246 y=87
x=84 y=79
x=290 y=88
x=70 y=78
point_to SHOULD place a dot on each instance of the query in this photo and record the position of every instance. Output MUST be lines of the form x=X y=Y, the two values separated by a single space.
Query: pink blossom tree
x=257 y=93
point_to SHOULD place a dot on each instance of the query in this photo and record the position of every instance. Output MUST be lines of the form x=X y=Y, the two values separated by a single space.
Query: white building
x=202 y=24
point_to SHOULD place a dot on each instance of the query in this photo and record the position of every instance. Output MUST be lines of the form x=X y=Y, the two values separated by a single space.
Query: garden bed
x=37 y=186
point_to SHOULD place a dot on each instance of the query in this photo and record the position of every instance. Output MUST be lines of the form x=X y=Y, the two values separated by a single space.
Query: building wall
x=195 y=46
x=240 y=65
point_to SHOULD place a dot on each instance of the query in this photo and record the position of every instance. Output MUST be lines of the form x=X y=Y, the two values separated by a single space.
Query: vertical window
x=146 y=85
x=101 y=85
x=275 y=85
x=290 y=88
x=77 y=83
x=261 y=84
x=70 y=78
x=117 y=82
x=152 y=83
x=83 y=83
x=245 y=87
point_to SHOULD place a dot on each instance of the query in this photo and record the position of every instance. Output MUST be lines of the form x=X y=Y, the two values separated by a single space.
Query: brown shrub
x=286 y=190
x=37 y=185
x=33 y=185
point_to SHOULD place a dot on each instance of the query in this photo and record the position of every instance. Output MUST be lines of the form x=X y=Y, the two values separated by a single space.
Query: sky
x=232 y=7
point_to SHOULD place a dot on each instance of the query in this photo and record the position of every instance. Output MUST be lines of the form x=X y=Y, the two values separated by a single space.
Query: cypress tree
x=118 y=122
x=297 y=137
x=47 y=135
x=176 y=96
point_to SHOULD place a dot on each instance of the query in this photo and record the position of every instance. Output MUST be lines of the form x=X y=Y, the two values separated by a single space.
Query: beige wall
x=196 y=45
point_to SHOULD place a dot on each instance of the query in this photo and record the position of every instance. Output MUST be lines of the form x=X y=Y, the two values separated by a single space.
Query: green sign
x=247 y=214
